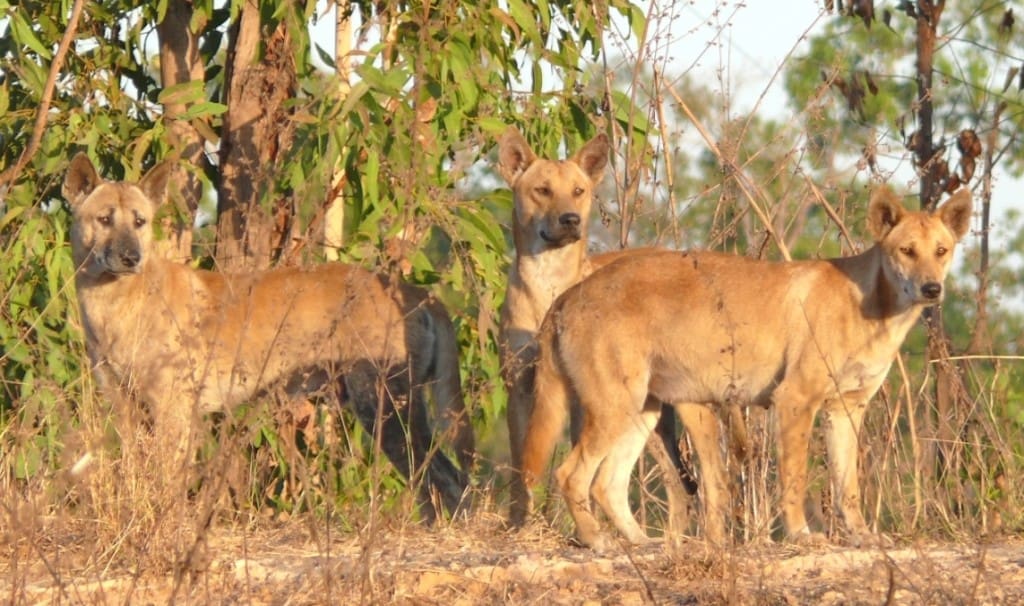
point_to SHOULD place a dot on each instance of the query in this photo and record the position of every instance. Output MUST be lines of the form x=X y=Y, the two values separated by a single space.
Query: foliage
x=976 y=65
x=434 y=86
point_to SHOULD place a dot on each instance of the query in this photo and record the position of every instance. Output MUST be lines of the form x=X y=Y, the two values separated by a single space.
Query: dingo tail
x=552 y=391
x=446 y=388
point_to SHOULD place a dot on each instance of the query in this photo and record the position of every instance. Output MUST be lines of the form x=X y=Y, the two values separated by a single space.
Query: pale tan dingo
x=185 y=342
x=706 y=329
x=552 y=208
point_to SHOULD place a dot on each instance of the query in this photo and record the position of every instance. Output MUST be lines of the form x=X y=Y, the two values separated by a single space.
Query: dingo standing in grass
x=185 y=342
x=707 y=329
x=552 y=208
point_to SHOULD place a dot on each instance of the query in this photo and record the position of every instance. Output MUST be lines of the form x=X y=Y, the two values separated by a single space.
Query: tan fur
x=552 y=208
x=707 y=329
x=186 y=342
x=552 y=205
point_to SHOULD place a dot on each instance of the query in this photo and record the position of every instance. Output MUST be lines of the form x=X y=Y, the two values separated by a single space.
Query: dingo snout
x=564 y=229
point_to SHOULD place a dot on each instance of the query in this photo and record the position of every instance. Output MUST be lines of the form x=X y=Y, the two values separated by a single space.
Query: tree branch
x=14 y=172
x=747 y=186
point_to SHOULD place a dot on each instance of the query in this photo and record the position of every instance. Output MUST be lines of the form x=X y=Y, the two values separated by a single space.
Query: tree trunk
x=932 y=168
x=334 y=216
x=180 y=63
x=929 y=162
x=260 y=78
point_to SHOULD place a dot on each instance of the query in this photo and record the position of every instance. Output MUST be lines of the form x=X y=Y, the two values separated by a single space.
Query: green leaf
x=638 y=21
x=354 y=98
x=25 y=35
x=481 y=227
x=325 y=57
x=28 y=460
x=12 y=213
x=204 y=110
x=34 y=77
x=5 y=99
x=454 y=121
x=469 y=92
x=372 y=168
x=182 y=94
x=493 y=125
x=523 y=14
x=390 y=82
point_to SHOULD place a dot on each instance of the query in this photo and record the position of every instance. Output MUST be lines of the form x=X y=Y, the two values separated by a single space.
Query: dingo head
x=918 y=246
x=552 y=197
x=111 y=232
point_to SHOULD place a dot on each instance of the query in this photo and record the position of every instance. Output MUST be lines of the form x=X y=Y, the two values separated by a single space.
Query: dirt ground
x=474 y=562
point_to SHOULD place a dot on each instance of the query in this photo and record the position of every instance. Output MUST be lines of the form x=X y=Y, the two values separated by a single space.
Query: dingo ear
x=884 y=212
x=514 y=155
x=956 y=212
x=80 y=180
x=593 y=157
x=154 y=183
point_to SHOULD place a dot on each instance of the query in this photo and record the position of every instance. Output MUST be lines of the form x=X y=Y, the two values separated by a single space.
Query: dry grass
x=107 y=536
x=108 y=532
x=474 y=561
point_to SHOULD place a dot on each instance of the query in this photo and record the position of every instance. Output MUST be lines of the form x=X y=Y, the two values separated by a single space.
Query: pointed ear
x=80 y=180
x=514 y=155
x=593 y=157
x=154 y=183
x=956 y=212
x=884 y=212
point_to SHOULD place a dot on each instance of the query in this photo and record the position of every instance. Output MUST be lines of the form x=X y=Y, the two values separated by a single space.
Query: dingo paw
x=866 y=539
x=600 y=543
x=810 y=539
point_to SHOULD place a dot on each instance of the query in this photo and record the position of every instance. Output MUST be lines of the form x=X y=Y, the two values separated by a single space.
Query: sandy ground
x=475 y=562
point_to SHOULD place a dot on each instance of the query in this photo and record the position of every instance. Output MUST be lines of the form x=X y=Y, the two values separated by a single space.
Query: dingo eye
x=139 y=222
x=577 y=192
x=104 y=220
x=940 y=251
x=907 y=250
x=543 y=190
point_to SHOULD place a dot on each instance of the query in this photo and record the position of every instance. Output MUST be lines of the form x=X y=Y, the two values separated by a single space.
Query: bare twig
x=748 y=187
x=980 y=339
x=831 y=212
x=667 y=151
x=915 y=449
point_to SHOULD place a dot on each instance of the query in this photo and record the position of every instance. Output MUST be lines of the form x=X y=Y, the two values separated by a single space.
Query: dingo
x=185 y=342
x=707 y=329
x=552 y=208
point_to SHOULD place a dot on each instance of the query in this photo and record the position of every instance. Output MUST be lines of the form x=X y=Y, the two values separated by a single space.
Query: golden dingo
x=185 y=342
x=552 y=208
x=706 y=329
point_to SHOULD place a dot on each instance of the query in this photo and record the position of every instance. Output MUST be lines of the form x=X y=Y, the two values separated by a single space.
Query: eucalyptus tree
x=267 y=139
